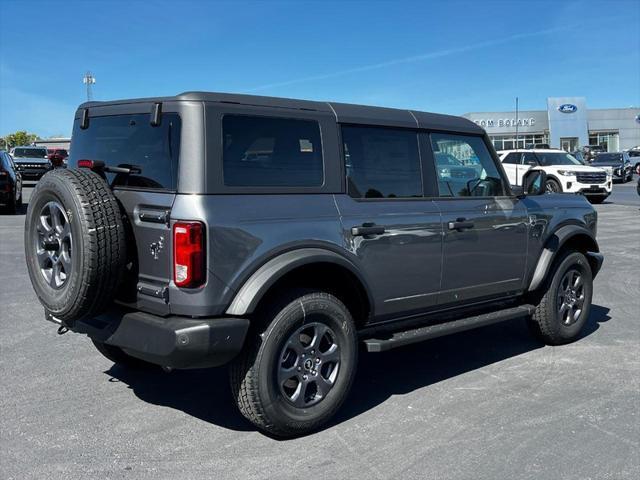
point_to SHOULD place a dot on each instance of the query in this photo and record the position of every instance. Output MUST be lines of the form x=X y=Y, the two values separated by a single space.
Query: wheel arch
x=573 y=237
x=306 y=267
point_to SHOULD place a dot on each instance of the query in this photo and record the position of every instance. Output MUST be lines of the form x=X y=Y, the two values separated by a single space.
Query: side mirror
x=534 y=182
x=532 y=163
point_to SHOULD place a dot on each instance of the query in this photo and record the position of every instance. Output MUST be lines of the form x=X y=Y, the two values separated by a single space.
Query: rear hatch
x=147 y=157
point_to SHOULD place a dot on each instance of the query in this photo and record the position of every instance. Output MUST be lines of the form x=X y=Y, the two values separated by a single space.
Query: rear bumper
x=177 y=342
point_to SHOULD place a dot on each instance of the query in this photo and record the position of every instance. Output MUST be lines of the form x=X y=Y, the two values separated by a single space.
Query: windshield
x=556 y=158
x=608 y=157
x=30 y=153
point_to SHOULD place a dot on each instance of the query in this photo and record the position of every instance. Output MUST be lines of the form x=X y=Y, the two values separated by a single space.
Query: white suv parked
x=564 y=172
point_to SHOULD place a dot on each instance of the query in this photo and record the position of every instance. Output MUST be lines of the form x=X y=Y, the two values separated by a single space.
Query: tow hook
x=62 y=330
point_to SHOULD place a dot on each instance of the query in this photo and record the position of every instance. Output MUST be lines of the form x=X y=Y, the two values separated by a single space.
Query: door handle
x=367 y=229
x=460 y=224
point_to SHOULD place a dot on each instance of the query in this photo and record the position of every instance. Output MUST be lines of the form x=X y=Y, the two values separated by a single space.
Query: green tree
x=21 y=137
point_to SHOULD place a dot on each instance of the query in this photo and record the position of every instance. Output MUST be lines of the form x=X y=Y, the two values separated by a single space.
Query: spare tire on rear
x=74 y=244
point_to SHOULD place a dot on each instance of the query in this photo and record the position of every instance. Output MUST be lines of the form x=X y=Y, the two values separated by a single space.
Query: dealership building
x=567 y=123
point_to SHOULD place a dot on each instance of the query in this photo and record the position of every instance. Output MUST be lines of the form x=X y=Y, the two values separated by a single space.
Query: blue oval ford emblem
x=567 y=108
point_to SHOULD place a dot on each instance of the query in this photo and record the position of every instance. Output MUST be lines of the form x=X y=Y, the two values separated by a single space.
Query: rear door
x=387 y=222
x=485 y=230
x=146 y=194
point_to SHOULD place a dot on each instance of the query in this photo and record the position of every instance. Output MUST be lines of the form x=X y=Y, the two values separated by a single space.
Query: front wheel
x=565 y=305
x=294 y=374
x=552 y=186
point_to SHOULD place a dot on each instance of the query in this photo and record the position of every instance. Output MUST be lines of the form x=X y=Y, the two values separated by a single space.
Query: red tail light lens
x=188 y=254
x=85 y=163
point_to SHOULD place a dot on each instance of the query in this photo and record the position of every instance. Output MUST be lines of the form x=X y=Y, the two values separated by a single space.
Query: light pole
x=89 y=80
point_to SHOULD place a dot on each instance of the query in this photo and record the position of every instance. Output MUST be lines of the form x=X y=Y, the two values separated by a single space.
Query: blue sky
x=442 y=56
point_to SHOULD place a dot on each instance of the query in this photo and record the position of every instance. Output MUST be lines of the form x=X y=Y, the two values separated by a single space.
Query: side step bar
x=407 y=337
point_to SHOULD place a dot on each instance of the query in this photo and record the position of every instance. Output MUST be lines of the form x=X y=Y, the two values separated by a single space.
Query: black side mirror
x=534 y=182
x=531 y=163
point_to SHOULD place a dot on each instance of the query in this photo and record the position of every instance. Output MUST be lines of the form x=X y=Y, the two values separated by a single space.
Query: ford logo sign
x=567 y=108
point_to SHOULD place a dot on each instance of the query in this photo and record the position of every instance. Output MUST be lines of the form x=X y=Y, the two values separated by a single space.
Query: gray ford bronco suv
x=281 y=236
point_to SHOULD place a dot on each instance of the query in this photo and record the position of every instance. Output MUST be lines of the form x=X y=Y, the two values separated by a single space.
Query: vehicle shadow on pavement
x=205 y=393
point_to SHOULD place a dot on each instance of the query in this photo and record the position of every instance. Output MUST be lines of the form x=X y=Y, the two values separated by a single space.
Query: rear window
x=30 y=153
x=270 y=151
x=131 y=141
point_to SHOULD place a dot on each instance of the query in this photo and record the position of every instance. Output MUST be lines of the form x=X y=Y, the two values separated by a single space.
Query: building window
x=609 y=140
x=508 y=142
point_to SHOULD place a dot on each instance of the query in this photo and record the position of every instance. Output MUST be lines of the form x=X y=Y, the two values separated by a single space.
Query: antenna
x=516 y=123
x=89 y=80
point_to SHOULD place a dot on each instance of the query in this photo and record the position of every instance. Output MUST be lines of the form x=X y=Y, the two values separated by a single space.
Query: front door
x=484 y=229
x=392 y=229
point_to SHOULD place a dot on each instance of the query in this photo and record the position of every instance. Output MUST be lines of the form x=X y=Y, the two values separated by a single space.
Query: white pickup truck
x=564 y=172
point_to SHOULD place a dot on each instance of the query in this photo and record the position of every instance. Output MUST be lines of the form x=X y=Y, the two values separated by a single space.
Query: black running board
x=407 y=337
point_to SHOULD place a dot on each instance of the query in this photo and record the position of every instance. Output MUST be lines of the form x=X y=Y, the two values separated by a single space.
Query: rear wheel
x=295 y=373
x=553 y=186
x=565 y=305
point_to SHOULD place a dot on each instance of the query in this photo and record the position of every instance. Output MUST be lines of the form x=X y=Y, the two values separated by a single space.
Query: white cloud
x=412 y=59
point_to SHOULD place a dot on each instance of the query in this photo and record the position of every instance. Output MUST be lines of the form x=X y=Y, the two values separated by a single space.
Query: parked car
x=10 y=183
x=342 y=231
x=634 y=153
x=619 y=163
x=565 y=174
x=32 y=162
x=591 y=151
x=57 y=156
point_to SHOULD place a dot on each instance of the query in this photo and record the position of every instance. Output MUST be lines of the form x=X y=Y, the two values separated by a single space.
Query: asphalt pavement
x=486 y=404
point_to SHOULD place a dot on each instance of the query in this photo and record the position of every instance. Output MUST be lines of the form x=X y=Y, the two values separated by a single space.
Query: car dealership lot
x=489 y=403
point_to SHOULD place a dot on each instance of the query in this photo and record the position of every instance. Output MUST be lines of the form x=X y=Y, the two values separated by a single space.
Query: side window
x=465 y=167
x=529 y=158
x=381 y=162
x=270 y=151
x=512 y=158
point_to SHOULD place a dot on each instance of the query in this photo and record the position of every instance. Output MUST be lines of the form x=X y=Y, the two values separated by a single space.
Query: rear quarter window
x=131 y=141
x=271 y=152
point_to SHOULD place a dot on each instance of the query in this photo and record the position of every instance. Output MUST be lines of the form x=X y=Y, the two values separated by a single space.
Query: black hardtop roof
x=344 y=112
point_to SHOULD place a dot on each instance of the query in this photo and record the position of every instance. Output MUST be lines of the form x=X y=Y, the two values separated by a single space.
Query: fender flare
x=553 y=245
x=255 y=287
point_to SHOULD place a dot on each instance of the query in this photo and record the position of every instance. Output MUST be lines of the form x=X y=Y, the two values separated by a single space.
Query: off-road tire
x=119 y=357
x=545 y=323
x=98 y=251
x=253 y=373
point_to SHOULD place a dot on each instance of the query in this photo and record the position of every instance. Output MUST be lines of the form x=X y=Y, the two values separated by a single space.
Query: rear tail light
x=188 y=254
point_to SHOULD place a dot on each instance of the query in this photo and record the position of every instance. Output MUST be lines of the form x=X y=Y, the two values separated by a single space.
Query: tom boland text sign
x=505 y=122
